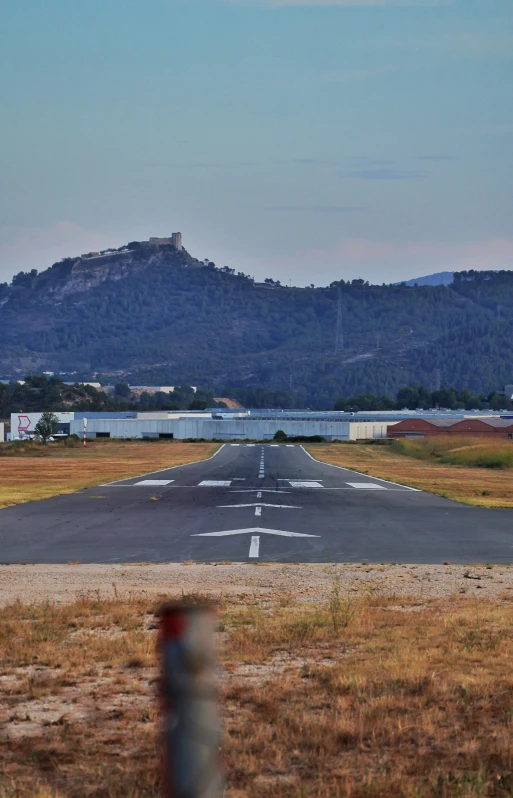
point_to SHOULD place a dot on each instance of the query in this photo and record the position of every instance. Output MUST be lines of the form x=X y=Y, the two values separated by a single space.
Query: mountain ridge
x=160 y=315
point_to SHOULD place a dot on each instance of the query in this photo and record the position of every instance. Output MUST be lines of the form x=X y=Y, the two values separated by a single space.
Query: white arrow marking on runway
x=253 y=530
x=262 y=504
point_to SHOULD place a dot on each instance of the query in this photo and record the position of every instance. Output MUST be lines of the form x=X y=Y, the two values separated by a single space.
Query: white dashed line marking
x=155 y=482
x=305 y=484
x=366 y=486
x=215 y=483
x=255 y=546
x=258 y=511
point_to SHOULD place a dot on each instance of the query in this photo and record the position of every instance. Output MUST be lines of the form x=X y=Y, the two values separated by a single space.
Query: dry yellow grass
x=369 y=696
x=57 y=470
x=481 y=487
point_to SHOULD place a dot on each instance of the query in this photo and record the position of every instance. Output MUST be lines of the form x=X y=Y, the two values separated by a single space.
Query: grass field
x=470 y=470
x=33 y=471
x=362 y=697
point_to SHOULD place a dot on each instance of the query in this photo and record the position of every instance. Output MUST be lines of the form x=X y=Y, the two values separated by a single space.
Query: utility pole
x=438 y=379
x=339 y=340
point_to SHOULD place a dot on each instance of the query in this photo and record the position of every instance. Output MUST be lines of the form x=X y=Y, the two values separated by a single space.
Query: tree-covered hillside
x=163 y=317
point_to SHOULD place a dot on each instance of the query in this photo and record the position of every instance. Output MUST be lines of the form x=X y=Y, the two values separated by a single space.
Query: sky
x=304 y=140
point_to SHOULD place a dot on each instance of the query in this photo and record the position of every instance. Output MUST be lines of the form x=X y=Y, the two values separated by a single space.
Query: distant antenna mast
x=339 y=341
x=438 y=379
x=499 y=312
x=377 y=340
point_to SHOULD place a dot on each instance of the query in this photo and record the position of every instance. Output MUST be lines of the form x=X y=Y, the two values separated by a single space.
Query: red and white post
x=191 y=729
x=85 y=432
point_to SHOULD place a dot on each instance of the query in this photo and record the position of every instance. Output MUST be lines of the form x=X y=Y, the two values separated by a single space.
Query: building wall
x=225 y=429
x=474 y=428
x=23 y=424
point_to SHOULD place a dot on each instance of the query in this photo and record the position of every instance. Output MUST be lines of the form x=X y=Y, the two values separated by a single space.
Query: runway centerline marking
x=255 y=546
x=215 y=483
x=258 y=510
x=294 y=484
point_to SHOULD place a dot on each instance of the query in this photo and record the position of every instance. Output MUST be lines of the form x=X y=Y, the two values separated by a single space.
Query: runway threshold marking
x=366 y=486
x=155 y=482
x=351 y=471
x=294 y=484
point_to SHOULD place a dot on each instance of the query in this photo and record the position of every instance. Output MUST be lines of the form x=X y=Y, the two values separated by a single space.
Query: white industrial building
x=203 y=424
x=225 y=425
x=229 y=430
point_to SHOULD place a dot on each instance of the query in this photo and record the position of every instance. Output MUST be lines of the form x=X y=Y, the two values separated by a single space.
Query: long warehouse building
x=207 y=425
x=253 y=424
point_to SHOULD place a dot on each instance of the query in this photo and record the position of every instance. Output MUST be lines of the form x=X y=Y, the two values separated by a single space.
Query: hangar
x=263 y=424
x=471 y=427
x=184 y=425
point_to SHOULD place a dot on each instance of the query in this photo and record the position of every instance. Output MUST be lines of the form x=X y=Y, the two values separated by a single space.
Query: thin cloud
x=318 y=208
x=383 y=173
x=436 y=158
x=343 y=3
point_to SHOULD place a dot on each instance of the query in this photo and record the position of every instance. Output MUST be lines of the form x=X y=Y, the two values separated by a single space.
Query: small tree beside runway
x=44 y=427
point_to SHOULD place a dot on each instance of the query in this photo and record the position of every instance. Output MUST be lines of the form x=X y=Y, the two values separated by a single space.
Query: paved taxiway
x=250 y=502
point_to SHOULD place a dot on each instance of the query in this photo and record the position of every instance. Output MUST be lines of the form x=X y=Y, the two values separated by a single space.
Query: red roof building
x=471 y=427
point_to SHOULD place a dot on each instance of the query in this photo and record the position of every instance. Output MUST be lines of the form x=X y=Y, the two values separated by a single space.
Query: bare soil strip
x=306 y=582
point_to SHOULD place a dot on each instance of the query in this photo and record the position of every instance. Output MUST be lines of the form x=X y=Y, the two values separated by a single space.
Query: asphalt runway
x=249 y=503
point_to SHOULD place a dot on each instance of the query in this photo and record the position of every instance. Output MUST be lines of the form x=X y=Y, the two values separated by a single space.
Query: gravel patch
x=307 y=582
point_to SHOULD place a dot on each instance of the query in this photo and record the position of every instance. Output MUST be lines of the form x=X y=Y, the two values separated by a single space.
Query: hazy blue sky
x=300 y=139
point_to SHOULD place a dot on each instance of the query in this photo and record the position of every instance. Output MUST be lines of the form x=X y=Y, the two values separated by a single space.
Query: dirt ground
x=306 y=582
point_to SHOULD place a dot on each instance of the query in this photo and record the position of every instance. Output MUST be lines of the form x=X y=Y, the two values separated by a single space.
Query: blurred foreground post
x=190 y=721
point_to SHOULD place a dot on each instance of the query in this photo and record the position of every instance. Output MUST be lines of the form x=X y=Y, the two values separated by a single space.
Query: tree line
x=39 y=393
x=421 y=398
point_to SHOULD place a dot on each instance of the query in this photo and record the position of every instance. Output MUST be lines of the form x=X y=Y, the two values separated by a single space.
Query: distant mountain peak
x=439 y=278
